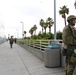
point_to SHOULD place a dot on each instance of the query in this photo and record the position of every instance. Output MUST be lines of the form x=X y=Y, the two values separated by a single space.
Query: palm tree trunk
x=49 y=29
x=42 y=29
x=65 y=19
x=35 y=32
x=45 y=30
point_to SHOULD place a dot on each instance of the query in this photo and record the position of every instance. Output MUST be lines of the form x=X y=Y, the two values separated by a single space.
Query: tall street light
x=54 y=19
x=17 y=33
x=22 y=28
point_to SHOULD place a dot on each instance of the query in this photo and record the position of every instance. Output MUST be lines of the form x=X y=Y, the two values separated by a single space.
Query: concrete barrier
x=37 y=52
x=40 y=54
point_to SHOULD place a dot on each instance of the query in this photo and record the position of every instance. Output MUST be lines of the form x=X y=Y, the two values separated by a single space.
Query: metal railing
x=39 y=44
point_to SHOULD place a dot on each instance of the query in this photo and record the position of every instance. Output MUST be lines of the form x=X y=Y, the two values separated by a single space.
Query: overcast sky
x=30 y=12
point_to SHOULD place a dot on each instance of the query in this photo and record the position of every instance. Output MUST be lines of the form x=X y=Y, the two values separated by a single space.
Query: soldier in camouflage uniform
x=69 y=35
x=11 y=41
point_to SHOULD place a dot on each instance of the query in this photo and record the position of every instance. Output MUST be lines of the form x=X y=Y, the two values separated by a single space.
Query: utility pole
x=22 y=28
x=17 y=33
x=54 y=19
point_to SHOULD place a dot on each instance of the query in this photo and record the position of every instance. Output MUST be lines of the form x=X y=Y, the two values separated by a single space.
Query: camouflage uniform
x=69 y=43
x=11 y=42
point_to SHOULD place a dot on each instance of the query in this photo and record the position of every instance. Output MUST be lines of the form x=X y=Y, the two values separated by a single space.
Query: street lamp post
x=54 y=19
x=17 y=33
x=22 y=28
x=55 y=41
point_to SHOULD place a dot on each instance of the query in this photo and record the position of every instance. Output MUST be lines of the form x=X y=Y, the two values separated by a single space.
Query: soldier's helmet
x=71 y=17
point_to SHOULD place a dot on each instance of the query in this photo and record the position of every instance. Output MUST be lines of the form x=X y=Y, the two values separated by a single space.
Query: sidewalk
x=18 y=61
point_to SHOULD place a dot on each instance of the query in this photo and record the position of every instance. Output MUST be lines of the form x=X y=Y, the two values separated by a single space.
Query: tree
x=42 y=23
x=75 y=4
x=31 y=31
x=59 y=35
x=35 y=27
x=45 y=26
x=63 y=11
x=50 y=23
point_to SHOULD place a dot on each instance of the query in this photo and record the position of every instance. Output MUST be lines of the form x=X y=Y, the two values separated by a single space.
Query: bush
x=21 y=42
x=46 y=36
x=59 y=35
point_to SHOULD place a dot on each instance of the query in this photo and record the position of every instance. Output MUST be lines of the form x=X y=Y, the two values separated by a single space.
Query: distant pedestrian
x=15 y=40
x=11 y=41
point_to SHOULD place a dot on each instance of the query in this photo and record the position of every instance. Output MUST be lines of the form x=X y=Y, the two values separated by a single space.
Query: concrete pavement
x=19 y=61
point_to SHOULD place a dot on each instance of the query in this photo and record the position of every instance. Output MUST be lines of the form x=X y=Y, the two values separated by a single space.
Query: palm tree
x=45 y=26
x=24 y=33
x=42 y=23
x=35 y=27
x=50 y=23
x=63 y=11
x=31 y=31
